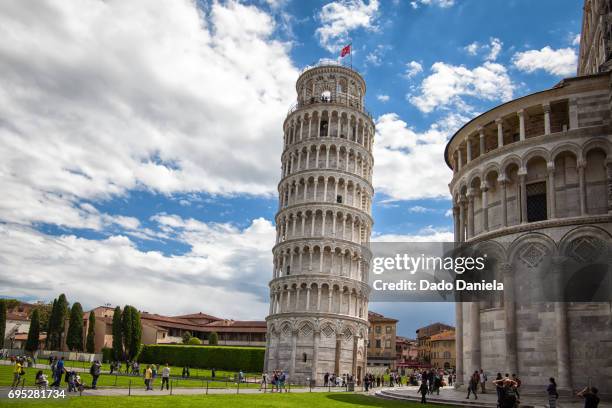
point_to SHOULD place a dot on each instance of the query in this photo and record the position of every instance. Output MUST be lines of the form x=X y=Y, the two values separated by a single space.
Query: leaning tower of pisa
x=318 y=318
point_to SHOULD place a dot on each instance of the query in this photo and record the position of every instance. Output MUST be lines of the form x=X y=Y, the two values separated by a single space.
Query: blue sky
x=141 y=140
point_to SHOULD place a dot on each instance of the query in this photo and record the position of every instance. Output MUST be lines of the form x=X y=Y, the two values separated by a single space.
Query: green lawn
x=332 y=400
x=105 y=380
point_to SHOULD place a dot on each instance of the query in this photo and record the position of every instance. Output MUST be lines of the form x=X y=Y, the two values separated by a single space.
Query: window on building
x=387 y=343
x=536 y=202
x=388 y=329
x=378 y=329
x=339 y=199
x=378 y=343
x=288 y=270
x=323 y=128
x=304 y=357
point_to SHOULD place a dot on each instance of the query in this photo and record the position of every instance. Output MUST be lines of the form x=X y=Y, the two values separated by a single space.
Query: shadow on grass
x=371 y=401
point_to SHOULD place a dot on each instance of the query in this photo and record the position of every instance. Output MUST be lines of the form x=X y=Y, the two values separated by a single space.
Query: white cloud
x=447 y=86
x=100 y=98
x=495 y=47
x=440 y=3
x=560 y=62
x=339 y=18
x=401 y=152
x=448 y=213
x=413 y=68
x=377 y=55
x=419 y=209
x=492 y=49
x=428 y=234
x=576 y=40
x=382 y=98
x=224 y=262
x=472 y=48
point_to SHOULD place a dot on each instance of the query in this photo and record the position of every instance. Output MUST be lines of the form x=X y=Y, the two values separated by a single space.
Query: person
x=483 y=381
x=281 y=381
x=153 y=375
x=325 y=379
x=553 y=395
x=41 y=380
x=423 y=390
x=450 y=380
x=71 y=377
x=112 y=367
x=18 y=373
x=94 y=370
x=240 y=376
x=591 y=400
x=264 y=381
x=213 y=373
x=517 y=382
x=473 y=385
x=166 y=377
x=59 y=371
x=148 y=377
x=499 y=388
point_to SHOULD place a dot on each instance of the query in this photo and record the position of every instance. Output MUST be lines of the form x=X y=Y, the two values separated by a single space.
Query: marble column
x=462 y=219
x=468 y=149
x=354 y=365
x=552 y=192
x=294 y=335
x=476 y=363
x=609 y=183
x=485 y=206
x=459 y=159
x=500 y=132
x=546 y=107
x=564 y=371
x=459 y=343
x=315 y=355
x=481 y=136
x=510 y=318
x=521 y=116
x=582 y=187
x=523 y=196
x=504 y=200
x=470 y=214
x=456 y=215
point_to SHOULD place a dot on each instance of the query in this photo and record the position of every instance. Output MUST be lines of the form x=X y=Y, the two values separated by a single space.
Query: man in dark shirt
x=591 y=400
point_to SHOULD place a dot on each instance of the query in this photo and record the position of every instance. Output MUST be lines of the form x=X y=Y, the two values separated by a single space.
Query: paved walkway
x=451 y=396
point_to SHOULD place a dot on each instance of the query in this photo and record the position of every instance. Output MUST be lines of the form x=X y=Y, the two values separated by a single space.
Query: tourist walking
x=264 y=381
x=58 y=372
x=94 y=370
x=591 y=399
x=553 y=395
x=499 y=388
x=166 y=377
x=483 y=381
x=148 y=376
x=473 y=385
x=18 y=373
x=423 y=390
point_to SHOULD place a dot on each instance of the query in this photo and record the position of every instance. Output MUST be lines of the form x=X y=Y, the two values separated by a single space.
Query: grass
x=333 y=400
x=105 y=380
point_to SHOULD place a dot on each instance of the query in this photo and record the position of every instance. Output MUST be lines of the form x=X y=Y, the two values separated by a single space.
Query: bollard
x=172 y=386
x=207 y=387
x=115 y=380
x=238 y=388
x=130 y=388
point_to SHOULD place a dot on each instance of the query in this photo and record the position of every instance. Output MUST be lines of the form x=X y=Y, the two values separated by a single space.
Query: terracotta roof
x=377 y=317
x=433 y=329
x=399 y=339
x=24 y=336
x=198 y=316
x=17 y=316
x=164 y=321
x=445 y=335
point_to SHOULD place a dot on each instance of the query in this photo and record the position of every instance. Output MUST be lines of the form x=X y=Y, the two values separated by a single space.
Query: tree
x=132 y=332
x=186 y=337
x=117 y=334
x=2 y=321
x=74 y=337
x=44 y=313
x=91 y=333
x=194 y=341
x=34 y=332
x=50 y=324
x=57 y=322
x=213 y=339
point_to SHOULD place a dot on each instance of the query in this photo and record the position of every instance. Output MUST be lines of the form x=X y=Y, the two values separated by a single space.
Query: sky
x=140 y=141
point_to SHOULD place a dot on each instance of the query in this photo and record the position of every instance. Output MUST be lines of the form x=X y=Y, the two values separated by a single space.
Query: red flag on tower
x=346 y=50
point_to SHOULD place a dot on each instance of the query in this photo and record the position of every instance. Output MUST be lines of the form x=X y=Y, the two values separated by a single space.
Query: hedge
x=250 y=359
x=107 y=354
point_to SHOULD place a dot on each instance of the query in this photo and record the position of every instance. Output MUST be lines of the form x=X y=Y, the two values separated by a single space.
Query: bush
x=194 y=341
x=220 y=357
x=213 y=339
x=107 y=354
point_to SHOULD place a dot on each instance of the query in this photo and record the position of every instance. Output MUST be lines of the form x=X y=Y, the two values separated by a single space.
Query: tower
x=318 y=314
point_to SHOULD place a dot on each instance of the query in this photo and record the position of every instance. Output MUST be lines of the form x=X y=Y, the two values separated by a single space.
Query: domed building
x=532 y=181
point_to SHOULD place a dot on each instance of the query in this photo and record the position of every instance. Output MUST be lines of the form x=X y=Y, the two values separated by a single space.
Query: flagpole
x=351 y=53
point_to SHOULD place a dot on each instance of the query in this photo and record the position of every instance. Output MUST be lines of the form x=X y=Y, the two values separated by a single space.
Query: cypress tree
x=126 y=326
x=2 y=321
x=117 y=334
x=91 y=333
x=34 y=332
x=74 y=337
x=136 y=333
x=50 y=324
